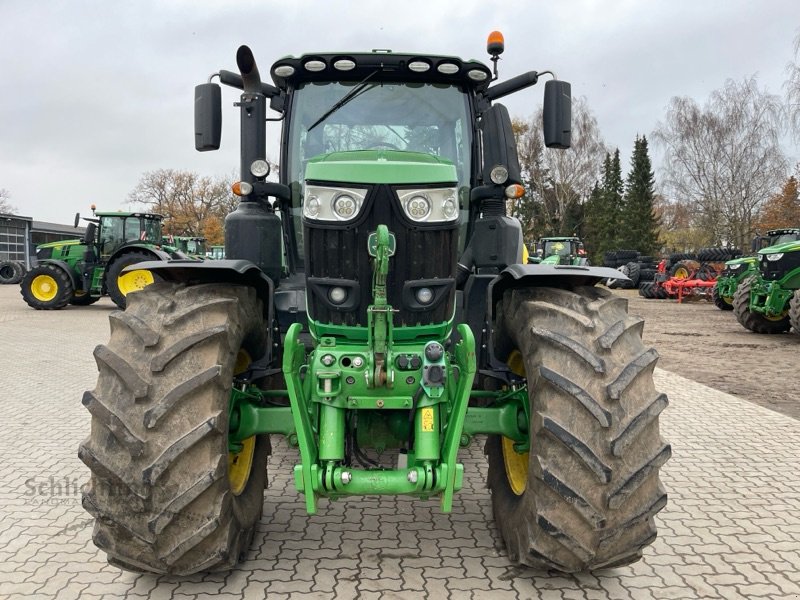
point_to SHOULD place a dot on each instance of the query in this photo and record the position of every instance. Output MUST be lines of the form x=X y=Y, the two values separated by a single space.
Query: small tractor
x=559 y=251
x=216 y=252
x=80 y=272
x=193 y=247
x=374 y=309
x=769 y=300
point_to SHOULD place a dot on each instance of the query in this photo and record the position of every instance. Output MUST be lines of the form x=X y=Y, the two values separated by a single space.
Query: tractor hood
x=60 y=244
x=743 y=260
x=381 y=166
x=785 y=247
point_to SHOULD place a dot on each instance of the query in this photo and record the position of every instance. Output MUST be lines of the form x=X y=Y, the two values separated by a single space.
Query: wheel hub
x=44 y=288
x=134 y=281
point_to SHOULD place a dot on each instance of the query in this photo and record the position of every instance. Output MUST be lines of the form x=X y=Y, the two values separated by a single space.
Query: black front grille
x=339 y=252
x=776 y=269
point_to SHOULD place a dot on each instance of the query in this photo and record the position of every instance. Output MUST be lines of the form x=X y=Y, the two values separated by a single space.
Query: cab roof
x=380 y=65
x=129 y=214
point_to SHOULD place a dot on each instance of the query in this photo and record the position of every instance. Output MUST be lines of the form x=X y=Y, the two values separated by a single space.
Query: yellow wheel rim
x=134 y=281
x=516 y=464
x=779 y=317
x=681 y=273
x=516 y=363
x=44 y=288
x=516 y=467
x=241 y=463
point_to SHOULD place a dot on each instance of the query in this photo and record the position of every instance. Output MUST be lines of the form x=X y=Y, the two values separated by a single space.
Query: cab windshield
x=430 y=118
x=562 y=248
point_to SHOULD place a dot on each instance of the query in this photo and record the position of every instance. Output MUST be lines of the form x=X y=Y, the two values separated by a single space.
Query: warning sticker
x=427 y=419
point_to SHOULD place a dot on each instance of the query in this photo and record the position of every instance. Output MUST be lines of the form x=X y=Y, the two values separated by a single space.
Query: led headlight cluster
x=332 y=204
x=430 y=205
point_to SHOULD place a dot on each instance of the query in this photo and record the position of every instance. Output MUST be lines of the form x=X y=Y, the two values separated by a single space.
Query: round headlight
x=418 y=208
x=284 y=70
x=419 y=66
x=499 y=175
x=259 y=168
x=424 y=295
x=337 y=295
x=345 y=206
x=312 y=205
x=449 y=207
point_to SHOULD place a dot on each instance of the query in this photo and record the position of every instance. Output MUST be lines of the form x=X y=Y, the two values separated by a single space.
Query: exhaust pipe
x=247 y=67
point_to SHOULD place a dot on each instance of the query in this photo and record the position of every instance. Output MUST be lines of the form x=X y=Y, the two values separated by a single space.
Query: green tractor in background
x=768 y=301
x=374 y=309
x=80 y=272
x=193 y=247
x=559 y=251
x=739 y=269
x=216 y=252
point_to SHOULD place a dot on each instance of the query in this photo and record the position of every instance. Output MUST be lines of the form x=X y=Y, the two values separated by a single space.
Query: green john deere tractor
x=560 y=251
x=738 y=269
x=80 y=272
x=216 y=252
x=768 y=301
x=193 y=247
x=374 y=310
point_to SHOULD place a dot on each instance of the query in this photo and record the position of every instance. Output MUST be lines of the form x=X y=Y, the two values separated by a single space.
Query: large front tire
x=47 y=287
x=755 y=321
x=592 y=488
x=165 y=493
x=794 y=312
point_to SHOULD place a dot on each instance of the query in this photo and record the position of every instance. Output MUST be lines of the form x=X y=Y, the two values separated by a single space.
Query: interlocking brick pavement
x=731 y=528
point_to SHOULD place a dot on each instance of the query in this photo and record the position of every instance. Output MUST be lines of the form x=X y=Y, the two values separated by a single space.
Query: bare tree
x=792 y=86
x=724 y=159
x=5 y=204
x=191 y=205
x=559 y=181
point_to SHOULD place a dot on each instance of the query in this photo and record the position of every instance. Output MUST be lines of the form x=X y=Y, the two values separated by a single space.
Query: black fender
x=193 y=272
x=157 y=253
x=530 y=275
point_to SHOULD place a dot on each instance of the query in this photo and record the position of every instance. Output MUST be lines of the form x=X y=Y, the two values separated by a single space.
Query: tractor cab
x=116 y=229
x=194 y=247
x=560 y=251
x=775 y=237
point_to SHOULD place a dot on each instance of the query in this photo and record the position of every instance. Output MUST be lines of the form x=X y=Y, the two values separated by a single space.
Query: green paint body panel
x=381 y=166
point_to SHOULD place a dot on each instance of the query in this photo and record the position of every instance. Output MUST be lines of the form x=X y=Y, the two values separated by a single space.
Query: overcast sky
x=93 y=94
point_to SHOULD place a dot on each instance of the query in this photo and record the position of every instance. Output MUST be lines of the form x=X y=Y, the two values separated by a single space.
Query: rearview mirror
x=77 y=219
x=557 y=114
x=207 y=117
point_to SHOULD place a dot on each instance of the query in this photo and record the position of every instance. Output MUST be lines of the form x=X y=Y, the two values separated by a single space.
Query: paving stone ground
x=731 y=528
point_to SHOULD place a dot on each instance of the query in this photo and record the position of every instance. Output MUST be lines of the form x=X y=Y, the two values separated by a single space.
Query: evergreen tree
x=639 y=225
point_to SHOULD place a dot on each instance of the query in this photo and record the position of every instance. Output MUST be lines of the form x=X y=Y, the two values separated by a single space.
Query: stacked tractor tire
x=637 y=267
x=11 y=271
x=704 y=265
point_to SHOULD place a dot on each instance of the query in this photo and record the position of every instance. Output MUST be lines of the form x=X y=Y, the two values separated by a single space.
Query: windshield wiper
x=360 y=87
